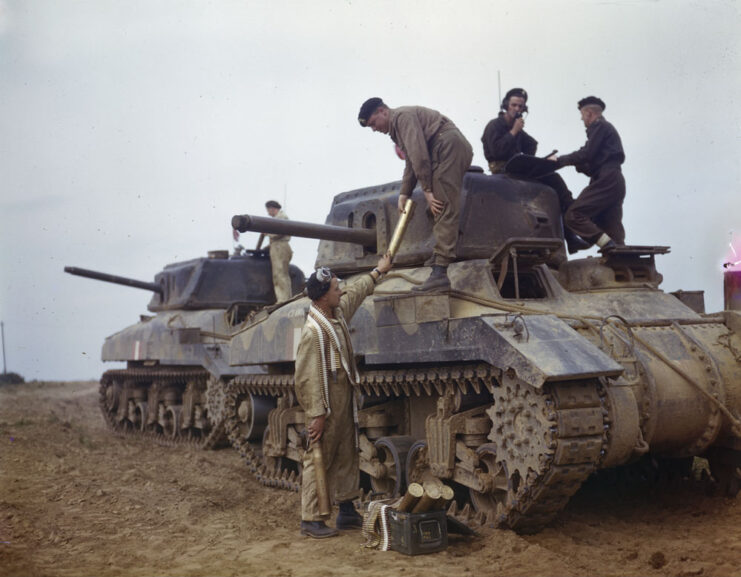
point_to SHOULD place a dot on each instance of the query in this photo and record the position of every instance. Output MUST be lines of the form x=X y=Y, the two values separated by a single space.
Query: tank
x=532 y=374
x=177 y=358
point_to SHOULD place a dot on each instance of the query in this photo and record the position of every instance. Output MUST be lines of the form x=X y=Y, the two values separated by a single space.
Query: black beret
x=589 y=100
x=315 y=288
x=367 y=110
x=273 y=204
x=521 y=92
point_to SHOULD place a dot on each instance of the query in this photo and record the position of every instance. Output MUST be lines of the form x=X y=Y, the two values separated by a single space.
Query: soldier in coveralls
x=597 y=214
x=280 y=255
x=437 y=155
x=325 y=374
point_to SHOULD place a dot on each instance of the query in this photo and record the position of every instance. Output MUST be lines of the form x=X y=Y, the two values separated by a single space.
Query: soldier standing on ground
x=597 y=214
x=437 y=155
x=325 y=374
x=505 y=137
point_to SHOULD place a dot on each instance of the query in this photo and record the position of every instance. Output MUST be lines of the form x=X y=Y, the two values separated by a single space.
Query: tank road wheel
x=547 y=442
x=171 y=421
x=494 y=498
x=418 y=465
x=253 y=413
x=139 y=417
x=392 y=453
x=109 y=394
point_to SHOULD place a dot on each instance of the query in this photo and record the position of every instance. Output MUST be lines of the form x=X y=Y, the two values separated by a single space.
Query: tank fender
x=530 y=348
x=541 y=348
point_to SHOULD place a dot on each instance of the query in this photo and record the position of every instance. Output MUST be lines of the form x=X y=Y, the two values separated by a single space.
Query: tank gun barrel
x=246 y=222
x=150 y=286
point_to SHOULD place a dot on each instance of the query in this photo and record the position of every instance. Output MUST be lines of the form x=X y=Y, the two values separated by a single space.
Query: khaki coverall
x=280 y=259
x=338 y=440
x=437 y=155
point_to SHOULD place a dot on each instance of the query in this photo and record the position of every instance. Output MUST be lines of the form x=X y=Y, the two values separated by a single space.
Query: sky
x=132 y=130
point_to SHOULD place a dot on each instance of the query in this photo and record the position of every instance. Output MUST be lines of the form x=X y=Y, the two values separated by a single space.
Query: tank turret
x=361 y=222
x=217 y=282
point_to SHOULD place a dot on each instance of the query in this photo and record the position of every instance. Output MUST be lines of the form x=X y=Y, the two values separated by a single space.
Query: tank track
x=170 y=376
x=573 y=425
x=549 y=441
x=274 y=385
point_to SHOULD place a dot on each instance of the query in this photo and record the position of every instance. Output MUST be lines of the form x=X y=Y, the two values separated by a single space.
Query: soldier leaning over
x=437 y=155
x=325 y=374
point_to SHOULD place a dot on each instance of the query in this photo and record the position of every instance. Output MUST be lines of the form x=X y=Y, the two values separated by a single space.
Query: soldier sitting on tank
x=325 y=375
x=437 y=155
x=597 y=214
x=280 y=254
x=505 y=137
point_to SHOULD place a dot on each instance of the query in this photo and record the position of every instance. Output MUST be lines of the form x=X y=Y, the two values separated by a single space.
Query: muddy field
x=78 y=500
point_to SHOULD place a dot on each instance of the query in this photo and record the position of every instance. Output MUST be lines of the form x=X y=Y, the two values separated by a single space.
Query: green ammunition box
x=418 y=533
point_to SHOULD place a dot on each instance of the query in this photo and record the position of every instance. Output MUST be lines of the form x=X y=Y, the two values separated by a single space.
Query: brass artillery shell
x=411 y=497
x=428 y=499
x=401 y=227
x=446 y=495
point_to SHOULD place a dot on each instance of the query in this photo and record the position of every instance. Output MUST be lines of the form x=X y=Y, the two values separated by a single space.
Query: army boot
x=348 y=517
x=438 y=280
x=606 y=244
x=317 y=529
x=574 y=243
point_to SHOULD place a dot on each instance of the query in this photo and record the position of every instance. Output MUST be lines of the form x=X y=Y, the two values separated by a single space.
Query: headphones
x=521 y=92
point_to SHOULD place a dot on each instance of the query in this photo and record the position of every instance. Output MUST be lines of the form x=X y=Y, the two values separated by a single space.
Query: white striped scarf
x=326 y=335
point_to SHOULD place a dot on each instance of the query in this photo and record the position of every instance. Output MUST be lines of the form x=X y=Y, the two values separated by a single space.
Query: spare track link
x=148 y=375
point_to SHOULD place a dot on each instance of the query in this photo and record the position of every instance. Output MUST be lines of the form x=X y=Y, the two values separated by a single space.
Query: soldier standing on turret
x=280 y=254
x=437 y=155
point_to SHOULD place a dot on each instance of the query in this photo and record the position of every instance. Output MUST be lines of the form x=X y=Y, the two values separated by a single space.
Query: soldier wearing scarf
x=325 y=374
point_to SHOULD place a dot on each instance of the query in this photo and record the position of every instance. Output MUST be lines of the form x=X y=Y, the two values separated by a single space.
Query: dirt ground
x=76 y=499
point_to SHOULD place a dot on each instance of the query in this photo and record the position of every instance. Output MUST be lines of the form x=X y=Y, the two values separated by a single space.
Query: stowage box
x=418 y=533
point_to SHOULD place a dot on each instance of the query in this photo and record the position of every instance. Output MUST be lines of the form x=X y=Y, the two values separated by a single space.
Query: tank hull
x=528 y=376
